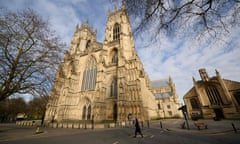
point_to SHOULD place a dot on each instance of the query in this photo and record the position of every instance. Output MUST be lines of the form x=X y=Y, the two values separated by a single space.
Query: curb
x=201 y=131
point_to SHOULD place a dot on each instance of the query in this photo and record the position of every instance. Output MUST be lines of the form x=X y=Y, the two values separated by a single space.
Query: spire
x=109 y=12
x=86 y=23
x=77 y=26
x=194 y=81
x=123 y=5
x=170 y=80
x=217 y=73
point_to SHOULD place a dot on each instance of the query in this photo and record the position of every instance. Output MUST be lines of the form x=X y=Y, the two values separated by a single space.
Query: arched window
x=114 y=88
x=194 y=103
x=116 y=31
x=90 y=75
x=88 y=44
x=115 y=57
x=213 y=95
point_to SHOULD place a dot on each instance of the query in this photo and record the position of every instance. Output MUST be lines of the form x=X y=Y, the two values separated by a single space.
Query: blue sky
x=178 y=57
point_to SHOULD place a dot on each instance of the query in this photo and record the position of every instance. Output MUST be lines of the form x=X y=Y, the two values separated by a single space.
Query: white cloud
x=175 y=57
x=183 y=58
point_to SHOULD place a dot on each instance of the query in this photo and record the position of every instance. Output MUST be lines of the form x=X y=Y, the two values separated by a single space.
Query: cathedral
x=102 y=81
x=213 y=97
x=166 y=98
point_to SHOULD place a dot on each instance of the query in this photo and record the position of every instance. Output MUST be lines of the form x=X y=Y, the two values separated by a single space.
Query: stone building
x=166 y=98
x=213 y=97
x=103 y=81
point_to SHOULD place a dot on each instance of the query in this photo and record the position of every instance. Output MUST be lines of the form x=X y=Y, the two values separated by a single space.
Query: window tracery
x=90 y=75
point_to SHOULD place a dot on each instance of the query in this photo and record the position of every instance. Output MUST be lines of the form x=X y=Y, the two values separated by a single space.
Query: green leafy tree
x=29 y=54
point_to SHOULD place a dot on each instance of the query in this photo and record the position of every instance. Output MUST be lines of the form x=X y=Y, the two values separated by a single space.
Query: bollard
x=38 y=131
x=93 y=124
x=161 y=124
x=234 y=128
x=183 y=125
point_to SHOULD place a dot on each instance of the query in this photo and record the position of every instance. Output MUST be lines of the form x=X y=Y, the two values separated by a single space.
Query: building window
x=86 y=113
x=115 y=57
x=116 y=32
x=90 y=75
x=88 y=44
x=168 y=106
x=114 y=88
x=237 y=97
x=213 y=95
x=194 y=103
x=159 y=106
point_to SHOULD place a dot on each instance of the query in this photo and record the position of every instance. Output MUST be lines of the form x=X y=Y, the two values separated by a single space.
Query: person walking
x=137 y=128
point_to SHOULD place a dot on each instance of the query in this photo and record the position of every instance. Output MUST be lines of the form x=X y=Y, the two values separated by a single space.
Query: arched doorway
x=115 y=112
x=86 y=109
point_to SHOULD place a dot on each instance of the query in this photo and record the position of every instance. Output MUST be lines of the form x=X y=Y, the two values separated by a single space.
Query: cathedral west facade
x=102 y=81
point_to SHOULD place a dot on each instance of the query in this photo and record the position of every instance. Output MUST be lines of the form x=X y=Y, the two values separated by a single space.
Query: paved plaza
x=164 y=131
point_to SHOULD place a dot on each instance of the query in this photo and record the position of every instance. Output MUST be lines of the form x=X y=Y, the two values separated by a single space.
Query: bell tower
x=82 y=39
x=118 y=32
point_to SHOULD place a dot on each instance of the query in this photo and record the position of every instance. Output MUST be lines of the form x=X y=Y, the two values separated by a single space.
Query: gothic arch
x=90 y=74
x=114 y=87
x=213 y=95
x=114 y=56
x=116 y=31
x=194 y=103
x=86 y=109
x=88 y=45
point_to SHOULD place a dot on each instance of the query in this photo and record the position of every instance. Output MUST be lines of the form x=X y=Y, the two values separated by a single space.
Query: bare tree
x=37 y=107
x=9 y=108
x=29 y=53
x=195 y=16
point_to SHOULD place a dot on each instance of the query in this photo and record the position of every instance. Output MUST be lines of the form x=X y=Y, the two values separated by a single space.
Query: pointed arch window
x=114 y=88
x=213 y=95
x=194 y=103
x=115 y=57
x=90 y=75
x=86 y=112
x=88 y=44
x=116 y=31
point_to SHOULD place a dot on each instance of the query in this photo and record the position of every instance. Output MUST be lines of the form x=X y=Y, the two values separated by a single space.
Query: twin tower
x=102 y=81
